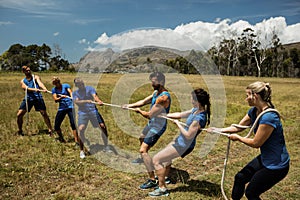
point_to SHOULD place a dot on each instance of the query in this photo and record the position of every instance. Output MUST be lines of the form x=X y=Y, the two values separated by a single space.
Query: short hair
x=160 y=77
x=78 y=80
x=24 y=68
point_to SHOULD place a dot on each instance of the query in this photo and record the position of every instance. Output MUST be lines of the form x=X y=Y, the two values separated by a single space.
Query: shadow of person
x=200 y=186
x=178 y=175
x=95 y=148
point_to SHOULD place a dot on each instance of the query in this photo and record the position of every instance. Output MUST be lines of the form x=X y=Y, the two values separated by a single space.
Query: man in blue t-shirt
x=86 y=99
x=33 y=87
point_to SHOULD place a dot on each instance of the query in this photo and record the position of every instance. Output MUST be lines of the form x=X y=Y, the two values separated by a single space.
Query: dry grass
x=37 y=167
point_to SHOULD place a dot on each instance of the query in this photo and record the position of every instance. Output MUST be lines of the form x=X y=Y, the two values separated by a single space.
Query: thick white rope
x=248 y=135
x=26 y=100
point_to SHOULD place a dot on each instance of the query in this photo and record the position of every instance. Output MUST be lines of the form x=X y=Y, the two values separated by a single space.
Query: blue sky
x=78 y=26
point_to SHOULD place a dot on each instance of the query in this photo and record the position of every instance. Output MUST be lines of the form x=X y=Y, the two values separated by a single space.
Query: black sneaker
x=138 y=161
x=149 y=184
x=20 y=133
x=167 y=180
x=61 y=139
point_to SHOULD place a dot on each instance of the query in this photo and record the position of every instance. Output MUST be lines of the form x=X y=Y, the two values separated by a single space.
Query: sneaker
x=50 y=133
x=138 y=161
x=159 y=192
x=82 y=155
x=20 y=133
x=77 y=145
x=107 y=149
x=61 y=139
x=149 y=184
x=167 y=180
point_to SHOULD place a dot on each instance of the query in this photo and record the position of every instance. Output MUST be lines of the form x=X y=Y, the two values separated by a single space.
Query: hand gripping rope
x=228 y=144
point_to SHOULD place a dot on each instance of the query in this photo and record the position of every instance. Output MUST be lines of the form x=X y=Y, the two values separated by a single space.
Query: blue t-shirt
x=64 y=103
x=274 y=154
x=32 y=84
x=159 y=123
x=201 y=118
x=85 y=94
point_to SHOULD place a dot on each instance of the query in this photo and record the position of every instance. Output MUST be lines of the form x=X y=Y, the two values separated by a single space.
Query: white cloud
x=2 y=23
x=198 y=35
x=55 y=34
x=83 y=41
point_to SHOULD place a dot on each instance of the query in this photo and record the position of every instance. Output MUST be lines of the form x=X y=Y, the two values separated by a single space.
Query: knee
x=155 y=160
x=102 y=126
x=44 y=113
x=239 y=178
x=250 y=194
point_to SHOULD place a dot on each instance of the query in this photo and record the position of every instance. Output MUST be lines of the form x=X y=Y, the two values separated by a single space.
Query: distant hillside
x=292 y=45
x=143 y=59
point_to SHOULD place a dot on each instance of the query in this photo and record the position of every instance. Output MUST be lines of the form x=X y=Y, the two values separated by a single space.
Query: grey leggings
x=260 y=180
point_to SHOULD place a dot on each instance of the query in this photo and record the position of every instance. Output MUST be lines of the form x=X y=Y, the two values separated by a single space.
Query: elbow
x=256 y=145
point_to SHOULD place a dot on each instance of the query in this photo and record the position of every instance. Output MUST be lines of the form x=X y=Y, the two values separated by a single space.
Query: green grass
x=37 y=167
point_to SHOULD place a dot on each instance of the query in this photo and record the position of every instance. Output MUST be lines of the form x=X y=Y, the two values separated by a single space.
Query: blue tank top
x=64 y=103
x=32 y=84
x=274 y=154
x=159 y=123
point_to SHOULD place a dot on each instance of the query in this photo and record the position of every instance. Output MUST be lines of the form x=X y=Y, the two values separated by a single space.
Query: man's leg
x=20 y=116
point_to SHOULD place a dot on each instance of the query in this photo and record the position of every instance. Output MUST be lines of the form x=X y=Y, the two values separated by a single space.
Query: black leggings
x=259 y=177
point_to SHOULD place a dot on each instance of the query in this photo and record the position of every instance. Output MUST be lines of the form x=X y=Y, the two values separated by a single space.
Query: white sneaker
x=82 y=155
x=107 y=149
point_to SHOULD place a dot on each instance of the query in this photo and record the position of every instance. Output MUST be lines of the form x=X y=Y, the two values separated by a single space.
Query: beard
x=156 y=87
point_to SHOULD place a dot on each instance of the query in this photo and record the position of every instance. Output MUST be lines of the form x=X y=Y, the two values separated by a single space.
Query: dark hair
x=202 y=97
x=160 y=77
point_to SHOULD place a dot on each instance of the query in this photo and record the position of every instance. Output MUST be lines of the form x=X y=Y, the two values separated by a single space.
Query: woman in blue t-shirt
x=62 y=94
x=197 y=118
x=272 y=165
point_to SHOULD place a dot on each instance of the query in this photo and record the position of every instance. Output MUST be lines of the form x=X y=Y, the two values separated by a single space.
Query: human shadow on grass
x=95 y=148
x=200 y=186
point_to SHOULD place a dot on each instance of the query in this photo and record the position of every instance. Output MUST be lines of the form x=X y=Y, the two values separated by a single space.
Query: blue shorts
x=60 y=116
x=38 y=104
x=94 y=117
x=152 y=135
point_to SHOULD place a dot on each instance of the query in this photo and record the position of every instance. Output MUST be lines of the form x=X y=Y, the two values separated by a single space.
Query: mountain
x=143 y=59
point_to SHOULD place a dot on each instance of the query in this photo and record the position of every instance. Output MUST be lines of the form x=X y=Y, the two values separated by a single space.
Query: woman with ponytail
x=272 y=165
x=197 y=118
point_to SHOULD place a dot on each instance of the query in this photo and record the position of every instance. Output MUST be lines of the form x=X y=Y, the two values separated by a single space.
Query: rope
x=228 y=145
x=26 y=100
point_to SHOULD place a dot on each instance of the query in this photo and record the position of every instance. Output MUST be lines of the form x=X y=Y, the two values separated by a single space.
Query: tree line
x=39 y=58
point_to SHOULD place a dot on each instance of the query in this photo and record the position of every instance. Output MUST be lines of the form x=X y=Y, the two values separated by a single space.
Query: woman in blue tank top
x=197 y=118
x=272 y=165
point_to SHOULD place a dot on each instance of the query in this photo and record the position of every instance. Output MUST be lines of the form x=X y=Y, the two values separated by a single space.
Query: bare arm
x=97 y=99
x=246 y=121
x=263 y=133
x=179 y=115
x=191 y=132
x=139 y=103
x=40 y=83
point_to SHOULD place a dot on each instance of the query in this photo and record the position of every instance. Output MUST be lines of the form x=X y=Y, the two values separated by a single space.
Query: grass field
x=36 y=166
